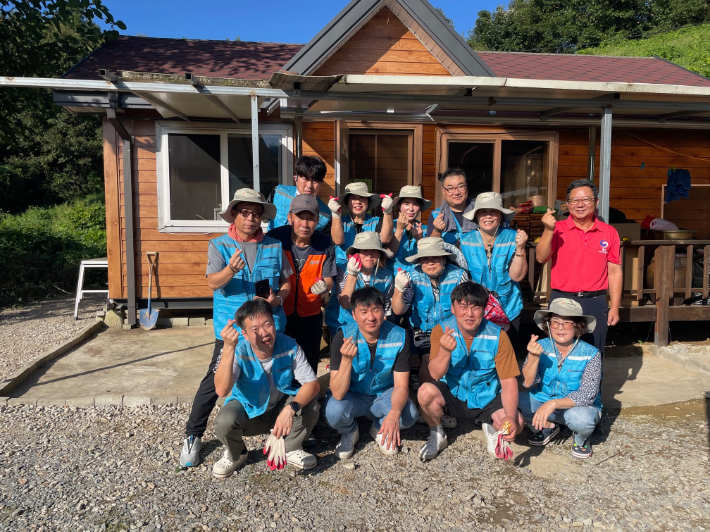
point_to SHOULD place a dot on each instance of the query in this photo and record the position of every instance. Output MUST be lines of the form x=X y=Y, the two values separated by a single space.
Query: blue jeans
x=580 y=419
x=341 y=414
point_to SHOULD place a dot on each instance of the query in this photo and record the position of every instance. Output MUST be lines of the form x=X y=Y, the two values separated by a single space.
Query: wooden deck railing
x=658 y=304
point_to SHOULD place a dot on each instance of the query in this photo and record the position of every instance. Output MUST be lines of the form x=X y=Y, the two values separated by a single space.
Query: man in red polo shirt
x=585 y=258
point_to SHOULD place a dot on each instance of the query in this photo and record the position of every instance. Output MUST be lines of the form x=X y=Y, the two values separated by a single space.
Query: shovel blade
x=148 y=319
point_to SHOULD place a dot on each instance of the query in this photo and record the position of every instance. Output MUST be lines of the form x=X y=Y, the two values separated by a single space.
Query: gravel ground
x=29 y=331
x=115 y=469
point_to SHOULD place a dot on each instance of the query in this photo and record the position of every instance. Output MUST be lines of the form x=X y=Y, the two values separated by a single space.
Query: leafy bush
x=687 y=47
x=42 y=247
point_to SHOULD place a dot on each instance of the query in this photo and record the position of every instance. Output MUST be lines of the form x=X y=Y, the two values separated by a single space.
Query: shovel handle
x=152 y=257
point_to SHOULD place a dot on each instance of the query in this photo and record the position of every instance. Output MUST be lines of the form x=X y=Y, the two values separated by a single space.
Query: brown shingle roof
x=564 y=67
x=219 y=59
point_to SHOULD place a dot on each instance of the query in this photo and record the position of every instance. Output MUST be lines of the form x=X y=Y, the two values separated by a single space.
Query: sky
x=296 y=21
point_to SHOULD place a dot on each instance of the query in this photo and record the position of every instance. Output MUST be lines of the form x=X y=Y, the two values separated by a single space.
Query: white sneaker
x=300 y=459
x=491 y=436
x=433 y=446
x=346 y=445
x=225 y=466
x=382 y=444
x=190 y=454
x=449 y=422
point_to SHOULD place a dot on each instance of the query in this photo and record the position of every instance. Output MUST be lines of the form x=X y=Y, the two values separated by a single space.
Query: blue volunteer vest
x=283 y=195
x=558 y=384
x=426 y=312
x=407 y=248
x=472 y=375
x=374 y=378
x=449 y=236
x=336 y=316
x=252 y=386
x=497 y=279
x=349 y=234
x=240 y=289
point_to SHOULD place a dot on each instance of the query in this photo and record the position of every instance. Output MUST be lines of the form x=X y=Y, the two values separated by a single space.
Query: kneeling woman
x=563 y=376
x=365 y=267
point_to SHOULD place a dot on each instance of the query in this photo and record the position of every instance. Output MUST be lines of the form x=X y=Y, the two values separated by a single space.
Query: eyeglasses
x=460 y=188
x=244 y=213
x=584 y=201
x=557 y=324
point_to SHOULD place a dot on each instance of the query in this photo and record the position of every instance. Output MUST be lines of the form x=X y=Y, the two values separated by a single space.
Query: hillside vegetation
x=687 y=47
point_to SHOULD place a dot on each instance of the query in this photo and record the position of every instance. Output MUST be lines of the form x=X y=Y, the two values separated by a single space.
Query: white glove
x=319 y=287
x=386 y=203
x=401 y=280
x=334 y=207
x=276 y=450
x=354 y=265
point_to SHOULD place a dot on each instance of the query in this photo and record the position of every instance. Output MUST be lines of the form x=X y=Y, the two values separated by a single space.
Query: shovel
x=148 y=317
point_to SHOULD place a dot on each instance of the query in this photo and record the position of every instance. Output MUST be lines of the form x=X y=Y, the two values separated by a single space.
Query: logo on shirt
x=605 y=247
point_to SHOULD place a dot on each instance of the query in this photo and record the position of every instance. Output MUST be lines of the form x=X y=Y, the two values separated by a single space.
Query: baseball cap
x=304 y=202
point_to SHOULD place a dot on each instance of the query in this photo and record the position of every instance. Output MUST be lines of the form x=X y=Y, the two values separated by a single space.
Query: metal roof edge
x=446 y=37
x=681 y=66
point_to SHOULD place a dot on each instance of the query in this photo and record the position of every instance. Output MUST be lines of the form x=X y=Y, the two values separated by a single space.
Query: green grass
x=687 y=47
x=41 y=248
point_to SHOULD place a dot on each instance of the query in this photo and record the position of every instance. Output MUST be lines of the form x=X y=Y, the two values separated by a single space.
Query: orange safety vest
x=300 y=298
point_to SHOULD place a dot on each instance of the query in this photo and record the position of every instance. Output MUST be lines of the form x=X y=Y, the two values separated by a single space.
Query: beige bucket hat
x=251 y=196
x=567 y=308
x=359 y=189
x=431 y=246
x=368 y=240
x=411 y=191
x=489 y=200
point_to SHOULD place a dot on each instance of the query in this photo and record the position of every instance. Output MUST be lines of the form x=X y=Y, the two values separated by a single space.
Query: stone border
x=20 y=376
x=105 y=400
x=693 y=357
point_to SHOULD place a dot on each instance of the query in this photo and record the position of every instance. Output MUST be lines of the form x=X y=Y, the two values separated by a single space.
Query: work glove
x=401 y=280
x=319 y=287
x=276 y=449
x=334 y=207
x=503 y=450
x=354 y=265
x=386 y=203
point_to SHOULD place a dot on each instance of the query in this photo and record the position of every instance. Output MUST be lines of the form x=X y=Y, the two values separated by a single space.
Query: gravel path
x=115 y=469
x=29 y=331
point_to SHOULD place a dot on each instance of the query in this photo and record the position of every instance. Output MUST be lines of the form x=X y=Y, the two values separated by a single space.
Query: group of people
x=424 y=312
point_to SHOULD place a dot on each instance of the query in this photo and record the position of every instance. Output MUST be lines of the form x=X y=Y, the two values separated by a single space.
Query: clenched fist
x=319 y=287
x=439 y=223
x=401 y=280
x=354 y=265
x=334 y=207
x=520 y=239
x=230 y=335
x=448 y=342
x=548 y=220
x=534 y=348
x=349 y=349
x=386 y=203
x=236 y=262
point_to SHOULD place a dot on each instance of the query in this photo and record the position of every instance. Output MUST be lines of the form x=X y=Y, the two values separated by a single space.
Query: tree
x=47 y=154
x=565 y=26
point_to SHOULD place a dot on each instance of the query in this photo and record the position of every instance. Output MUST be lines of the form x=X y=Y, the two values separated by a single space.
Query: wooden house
x=386 y=93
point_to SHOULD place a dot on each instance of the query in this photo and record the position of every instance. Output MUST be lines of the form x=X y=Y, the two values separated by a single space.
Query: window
x=200 y=167
x=380 y=159
x=518 y=165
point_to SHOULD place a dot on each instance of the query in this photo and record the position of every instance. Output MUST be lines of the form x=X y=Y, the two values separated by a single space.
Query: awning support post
x=592 y=152
x=128 y=199
x=299 y=129
x=605 y=165
x=255 y=141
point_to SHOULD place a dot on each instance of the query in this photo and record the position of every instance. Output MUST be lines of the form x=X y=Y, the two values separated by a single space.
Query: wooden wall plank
x=113 y=230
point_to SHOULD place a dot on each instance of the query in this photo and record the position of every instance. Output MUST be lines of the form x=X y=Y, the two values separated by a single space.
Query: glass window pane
x=523 y=170
x=240 y=163
x=476 y=160
x=195 y=177
x=380 y=160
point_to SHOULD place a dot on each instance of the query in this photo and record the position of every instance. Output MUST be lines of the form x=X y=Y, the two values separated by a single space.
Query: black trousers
x=307 y=332
x=592 y=306
x=205 y=398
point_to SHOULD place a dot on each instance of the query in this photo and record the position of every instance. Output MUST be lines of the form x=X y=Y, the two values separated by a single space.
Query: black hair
x=452 y=172
x=470 y=293
x=367 y=297
x=252 y=309
x=311 y=167
x=579 y=183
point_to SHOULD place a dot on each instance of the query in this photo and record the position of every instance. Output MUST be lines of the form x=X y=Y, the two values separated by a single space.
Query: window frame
x=164 y=128
x=496 y=137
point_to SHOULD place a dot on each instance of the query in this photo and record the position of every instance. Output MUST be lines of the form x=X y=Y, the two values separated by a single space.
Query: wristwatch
x=295 y=407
